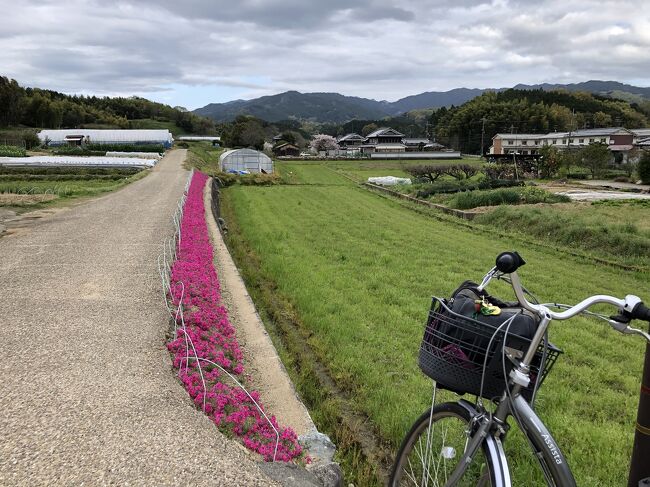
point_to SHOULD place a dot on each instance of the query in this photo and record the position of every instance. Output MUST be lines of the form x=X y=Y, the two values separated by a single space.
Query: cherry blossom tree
x=323 y=142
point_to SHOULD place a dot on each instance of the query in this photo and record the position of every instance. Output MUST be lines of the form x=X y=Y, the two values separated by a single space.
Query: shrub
x=31 y=140
x=499 y=170
x=255 y=179
x=428 y=172
x=432 y=172
x=643 y=168
x=504 y=196
x=461 y=171
x=450 y=187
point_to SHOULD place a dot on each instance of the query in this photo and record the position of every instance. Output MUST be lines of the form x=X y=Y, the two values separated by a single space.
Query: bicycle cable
x=487 y=354
x=526 y=291
x=516 y=414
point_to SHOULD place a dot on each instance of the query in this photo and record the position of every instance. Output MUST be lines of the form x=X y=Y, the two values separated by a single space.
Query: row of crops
x=12 y=151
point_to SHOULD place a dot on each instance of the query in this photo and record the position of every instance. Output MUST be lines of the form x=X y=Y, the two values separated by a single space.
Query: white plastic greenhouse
x=245 y=160
x=96 y=136
x=74 y=161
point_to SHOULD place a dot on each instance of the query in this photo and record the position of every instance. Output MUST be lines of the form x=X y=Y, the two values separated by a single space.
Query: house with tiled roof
x=350 y=141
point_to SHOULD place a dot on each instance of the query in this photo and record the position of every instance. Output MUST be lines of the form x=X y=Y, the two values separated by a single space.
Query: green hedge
x=451 y=187
x=504 y=196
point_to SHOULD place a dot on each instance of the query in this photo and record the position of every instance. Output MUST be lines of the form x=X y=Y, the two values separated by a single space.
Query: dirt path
x=87 y=391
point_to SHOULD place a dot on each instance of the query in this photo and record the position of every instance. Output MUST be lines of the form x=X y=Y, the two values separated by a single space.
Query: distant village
x=384 y=142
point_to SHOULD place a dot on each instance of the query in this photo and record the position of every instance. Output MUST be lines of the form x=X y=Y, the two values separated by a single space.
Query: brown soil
x=8 y=199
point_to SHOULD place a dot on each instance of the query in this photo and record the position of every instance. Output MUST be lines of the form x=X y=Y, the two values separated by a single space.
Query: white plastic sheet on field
x=62 y=161
x=198 y=138
x=137 y=155
x=389 y=180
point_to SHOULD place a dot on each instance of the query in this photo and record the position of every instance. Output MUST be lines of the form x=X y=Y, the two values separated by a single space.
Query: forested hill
x=34 y=107
x=336 y=108
x=531 y=111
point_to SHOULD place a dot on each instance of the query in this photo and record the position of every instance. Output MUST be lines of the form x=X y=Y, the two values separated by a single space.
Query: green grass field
x=363 y=169
x=359 y=270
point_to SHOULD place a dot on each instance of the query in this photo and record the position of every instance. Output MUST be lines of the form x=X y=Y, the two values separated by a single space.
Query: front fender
x=495 y=453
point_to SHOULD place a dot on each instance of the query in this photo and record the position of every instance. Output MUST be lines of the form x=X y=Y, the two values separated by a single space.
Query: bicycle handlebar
x=629 y=308
x=641 y=312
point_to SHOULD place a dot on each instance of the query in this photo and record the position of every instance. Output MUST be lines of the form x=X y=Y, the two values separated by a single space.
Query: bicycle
x=461 y=443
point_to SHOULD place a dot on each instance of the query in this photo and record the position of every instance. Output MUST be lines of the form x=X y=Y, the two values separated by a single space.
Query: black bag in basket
x=456 y=343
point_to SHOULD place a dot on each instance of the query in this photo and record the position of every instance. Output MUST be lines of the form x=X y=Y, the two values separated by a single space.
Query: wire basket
x=454 y=350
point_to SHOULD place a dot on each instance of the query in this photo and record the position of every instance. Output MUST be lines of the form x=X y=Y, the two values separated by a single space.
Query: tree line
x=35 y=107
x=468 y=126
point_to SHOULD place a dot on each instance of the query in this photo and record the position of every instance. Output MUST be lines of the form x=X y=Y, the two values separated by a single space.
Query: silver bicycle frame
x=513 y=404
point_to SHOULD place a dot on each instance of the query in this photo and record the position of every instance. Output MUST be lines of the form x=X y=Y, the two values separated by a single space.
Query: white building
x=618 y=139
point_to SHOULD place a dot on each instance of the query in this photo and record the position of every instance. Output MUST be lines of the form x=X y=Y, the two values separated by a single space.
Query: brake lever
x=488 y=277
x=622 y=318
x=620 y=324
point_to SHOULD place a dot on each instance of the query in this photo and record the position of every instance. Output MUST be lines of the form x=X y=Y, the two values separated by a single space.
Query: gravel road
x=87 y=391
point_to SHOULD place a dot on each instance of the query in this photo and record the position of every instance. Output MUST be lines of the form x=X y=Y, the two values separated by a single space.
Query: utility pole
x=482 y=134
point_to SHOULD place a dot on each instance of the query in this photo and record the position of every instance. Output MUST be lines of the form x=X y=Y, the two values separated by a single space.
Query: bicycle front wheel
x=433 y=448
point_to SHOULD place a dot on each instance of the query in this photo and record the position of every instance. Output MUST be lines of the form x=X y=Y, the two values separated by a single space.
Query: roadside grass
x=203 y=156
x=627 y=212
x=359 y=270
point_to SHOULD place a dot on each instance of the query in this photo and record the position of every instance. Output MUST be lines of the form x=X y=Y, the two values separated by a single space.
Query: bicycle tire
x=450 y=429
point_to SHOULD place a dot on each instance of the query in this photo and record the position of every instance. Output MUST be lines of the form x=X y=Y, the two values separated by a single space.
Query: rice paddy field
x=353 y=272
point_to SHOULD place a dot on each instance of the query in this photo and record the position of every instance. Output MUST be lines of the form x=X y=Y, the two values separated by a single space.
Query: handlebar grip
x=508 y=262
x=641 y=312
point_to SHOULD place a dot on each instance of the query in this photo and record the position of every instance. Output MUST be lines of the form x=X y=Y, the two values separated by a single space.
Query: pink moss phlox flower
x=195 y=285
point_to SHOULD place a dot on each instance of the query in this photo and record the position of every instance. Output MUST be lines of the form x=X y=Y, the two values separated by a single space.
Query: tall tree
x=595 y=157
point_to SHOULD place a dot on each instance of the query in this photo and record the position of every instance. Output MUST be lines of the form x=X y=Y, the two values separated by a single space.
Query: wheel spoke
x=434 y=447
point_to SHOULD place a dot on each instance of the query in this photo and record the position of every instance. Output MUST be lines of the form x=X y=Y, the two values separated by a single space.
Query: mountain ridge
x=331 y=107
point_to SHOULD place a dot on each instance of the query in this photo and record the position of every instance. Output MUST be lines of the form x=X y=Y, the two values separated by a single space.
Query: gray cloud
x=372 y=48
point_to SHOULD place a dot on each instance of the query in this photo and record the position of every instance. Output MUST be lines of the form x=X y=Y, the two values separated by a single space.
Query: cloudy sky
x=194 y=52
